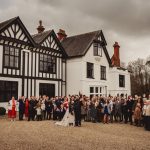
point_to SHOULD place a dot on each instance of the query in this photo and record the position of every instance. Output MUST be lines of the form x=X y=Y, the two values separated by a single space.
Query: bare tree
x=140 y=76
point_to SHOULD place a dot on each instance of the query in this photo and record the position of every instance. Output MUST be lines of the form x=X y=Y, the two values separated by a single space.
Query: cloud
x=125 y=21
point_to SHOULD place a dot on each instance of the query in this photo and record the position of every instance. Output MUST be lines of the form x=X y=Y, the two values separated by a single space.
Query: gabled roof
x=4 y=25
x=40 y=37
x=77 y=46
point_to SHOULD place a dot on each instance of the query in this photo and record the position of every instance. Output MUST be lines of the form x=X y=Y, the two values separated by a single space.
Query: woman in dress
x=68 y=118
x=106 y=112
x=26 y=108
x=137 y=114
x=13 y=108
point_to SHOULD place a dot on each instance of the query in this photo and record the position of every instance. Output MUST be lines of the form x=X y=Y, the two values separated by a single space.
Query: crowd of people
x=134 y=110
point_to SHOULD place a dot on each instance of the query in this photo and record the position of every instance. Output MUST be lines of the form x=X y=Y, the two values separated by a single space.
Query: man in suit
x=32 y=112
x=118 y=109
x=130 y=103
x=77 y=110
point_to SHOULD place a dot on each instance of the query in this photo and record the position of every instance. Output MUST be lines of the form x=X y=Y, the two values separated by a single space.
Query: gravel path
x=44 y=135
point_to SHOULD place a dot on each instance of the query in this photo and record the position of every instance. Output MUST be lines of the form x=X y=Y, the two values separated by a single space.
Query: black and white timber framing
x=21 y=59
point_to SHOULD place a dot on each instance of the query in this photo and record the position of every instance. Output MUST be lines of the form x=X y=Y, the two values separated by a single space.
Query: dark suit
x=77 y=111
x=32 y=111
x=129 y=107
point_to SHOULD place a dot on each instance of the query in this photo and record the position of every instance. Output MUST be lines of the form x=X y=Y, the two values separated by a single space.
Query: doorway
x=47 y=89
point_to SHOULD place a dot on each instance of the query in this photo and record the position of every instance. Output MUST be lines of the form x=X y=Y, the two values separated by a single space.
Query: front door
x=47 y=89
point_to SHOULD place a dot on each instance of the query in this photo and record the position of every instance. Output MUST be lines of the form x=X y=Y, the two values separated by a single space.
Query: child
x=39 y=112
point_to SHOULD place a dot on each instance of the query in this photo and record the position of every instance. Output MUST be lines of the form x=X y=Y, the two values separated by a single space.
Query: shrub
x=2 y=111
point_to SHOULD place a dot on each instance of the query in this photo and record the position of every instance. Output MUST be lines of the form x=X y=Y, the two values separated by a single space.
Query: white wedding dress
x=67 y=119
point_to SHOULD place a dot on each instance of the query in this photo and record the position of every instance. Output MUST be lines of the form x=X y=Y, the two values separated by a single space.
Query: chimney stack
x=61 y=34
x=116 y=57
x=40 y=28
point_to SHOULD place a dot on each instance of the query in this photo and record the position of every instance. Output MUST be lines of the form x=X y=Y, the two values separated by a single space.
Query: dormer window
x=97 y=49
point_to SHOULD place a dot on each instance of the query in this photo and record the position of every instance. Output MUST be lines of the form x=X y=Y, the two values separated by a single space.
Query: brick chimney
x=61 y=34
x=40 y=28
x=116 y=57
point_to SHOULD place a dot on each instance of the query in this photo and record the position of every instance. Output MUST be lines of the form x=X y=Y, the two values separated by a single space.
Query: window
x=47 y=64
x=7 y=90
x=103 y=73
x=91 y=89
x=11 y=57
x=100 y=89
x=97 y=49
x=90 y=70
x=96 y=89
x=91 y=92
x=121 y=81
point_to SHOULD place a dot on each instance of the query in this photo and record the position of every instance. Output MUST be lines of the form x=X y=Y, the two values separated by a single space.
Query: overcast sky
x=125 y=21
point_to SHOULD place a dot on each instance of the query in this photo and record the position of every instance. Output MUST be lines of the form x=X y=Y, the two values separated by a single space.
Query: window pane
x=16 y=52
x=90 y=70
x=12 y=61
x=41 y=66
x=99 y=50
x=49 y=58
x=96 y=89
x=54 y=68
x=121 y=81
x=100 y=89
x=45 y=57
x=6 y=60
x=45 y=66
x=95 y=49
x=103 y=73
x=16 y=62
x=53 y=60
x=6 y=50
x=12 y=51
x=49 y=68
x=91 y=89
x=41 y=57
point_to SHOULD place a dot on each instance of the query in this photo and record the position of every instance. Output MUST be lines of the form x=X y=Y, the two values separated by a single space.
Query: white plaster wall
x=63 y=90
x=113 y=86
x=97 y=61
x=74 y=74
x=77 y=74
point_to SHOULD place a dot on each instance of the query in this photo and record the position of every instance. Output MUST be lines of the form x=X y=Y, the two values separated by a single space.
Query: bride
x=68 y=118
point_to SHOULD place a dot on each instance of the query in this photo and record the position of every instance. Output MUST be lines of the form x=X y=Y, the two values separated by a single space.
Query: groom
x=77 y=111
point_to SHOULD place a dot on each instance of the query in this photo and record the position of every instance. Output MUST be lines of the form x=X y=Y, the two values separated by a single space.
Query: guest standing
x=77 y=111
x=13 y=108
x=21 y=107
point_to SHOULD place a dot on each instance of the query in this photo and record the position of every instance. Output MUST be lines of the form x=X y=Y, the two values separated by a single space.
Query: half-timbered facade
x=30 y=65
